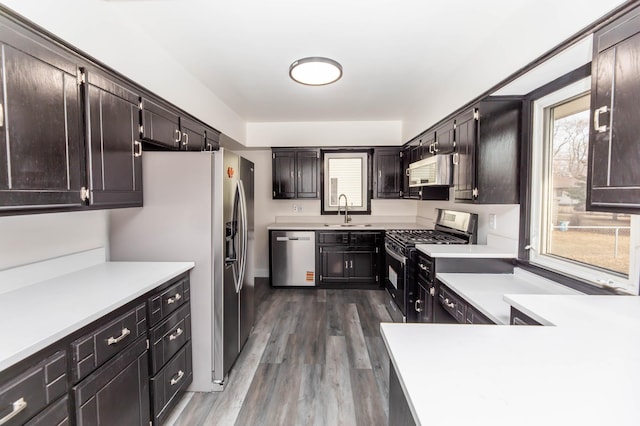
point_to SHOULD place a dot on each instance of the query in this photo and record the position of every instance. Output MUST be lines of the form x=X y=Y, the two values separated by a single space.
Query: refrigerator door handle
x=244 y=235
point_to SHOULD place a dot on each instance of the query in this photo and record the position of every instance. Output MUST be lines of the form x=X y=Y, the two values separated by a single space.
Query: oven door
x=395 y=275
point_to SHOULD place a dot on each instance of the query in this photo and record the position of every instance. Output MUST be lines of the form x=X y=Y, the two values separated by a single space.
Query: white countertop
x=313 y=226
x=465 y=251
x=579 y=311
x=37 y=315
x=485 y=292
x=490 y=375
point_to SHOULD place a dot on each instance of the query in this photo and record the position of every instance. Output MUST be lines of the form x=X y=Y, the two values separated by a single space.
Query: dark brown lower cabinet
x=399 y=411
x=348 y=259
x=118 y=392
x=56 y=414
x=174 y=377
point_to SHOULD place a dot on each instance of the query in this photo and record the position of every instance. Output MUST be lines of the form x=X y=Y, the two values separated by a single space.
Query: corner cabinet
x=613 y=182
x=388 y=172
x=296 y=173
x=114 y=151
x=487 y=152
x=41 y=141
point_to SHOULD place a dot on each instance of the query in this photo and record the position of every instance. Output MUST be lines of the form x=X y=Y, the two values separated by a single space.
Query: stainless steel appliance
x=198 y=206
x=292 y=260
x=451 y=227
x=434 y=170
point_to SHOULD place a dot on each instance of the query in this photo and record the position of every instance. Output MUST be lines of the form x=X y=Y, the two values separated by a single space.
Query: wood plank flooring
x=315 y=357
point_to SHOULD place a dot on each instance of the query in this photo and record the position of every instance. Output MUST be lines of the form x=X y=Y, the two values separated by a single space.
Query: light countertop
x=319 y=226
x=524 y=375
x=465 y=251
x=38 y=315
x=578 y=311
x=486 y=292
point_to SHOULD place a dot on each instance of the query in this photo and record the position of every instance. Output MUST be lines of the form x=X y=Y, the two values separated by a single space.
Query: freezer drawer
x=293 y=258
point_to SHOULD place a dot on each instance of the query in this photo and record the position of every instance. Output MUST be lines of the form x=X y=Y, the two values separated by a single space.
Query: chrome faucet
x=347 y=219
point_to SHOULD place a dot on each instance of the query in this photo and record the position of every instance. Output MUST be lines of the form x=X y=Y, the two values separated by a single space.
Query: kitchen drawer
x=169 y=336
x=118 y=392
x=57 y=414
x=453 y=304
x=473 y=316
x=520 y=318
x=23 y=396
x=426 y=268
x=168 y=300
x=333 y=237
x=94 y=349
x=174 y=377
x=363 y=238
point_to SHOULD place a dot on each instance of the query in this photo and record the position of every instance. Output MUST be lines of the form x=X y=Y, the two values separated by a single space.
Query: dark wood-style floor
x=315 y=357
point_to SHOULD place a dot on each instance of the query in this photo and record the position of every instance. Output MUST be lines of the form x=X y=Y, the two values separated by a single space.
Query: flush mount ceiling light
x=315 y=71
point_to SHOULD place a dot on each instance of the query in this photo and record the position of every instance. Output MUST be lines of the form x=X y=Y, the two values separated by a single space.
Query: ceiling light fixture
x=315 y=71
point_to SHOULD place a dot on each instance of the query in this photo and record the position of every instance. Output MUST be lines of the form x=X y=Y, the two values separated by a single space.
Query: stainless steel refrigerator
x=198 y=206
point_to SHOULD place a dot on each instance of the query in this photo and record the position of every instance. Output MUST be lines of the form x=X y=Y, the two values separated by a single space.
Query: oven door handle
x=394 y=255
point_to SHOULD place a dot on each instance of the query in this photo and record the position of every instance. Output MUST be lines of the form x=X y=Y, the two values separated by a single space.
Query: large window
x=345 y=174
x=592 y=246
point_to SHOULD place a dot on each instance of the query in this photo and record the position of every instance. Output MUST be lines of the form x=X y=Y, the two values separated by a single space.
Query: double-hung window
x=600 y=248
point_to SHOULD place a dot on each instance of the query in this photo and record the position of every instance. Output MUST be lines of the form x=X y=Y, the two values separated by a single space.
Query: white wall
x=102 y=34
x=325 y=133
x=31 y=238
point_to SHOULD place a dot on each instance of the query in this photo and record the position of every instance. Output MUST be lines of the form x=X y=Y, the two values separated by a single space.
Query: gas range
x=400 y=240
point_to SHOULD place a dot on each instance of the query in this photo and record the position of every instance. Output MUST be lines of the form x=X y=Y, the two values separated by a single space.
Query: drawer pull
x=448 y=304
x=174 y=299
x=175 y=335
x=18 y=406
x=422 y=266
x=178 y=377
x=114 y=340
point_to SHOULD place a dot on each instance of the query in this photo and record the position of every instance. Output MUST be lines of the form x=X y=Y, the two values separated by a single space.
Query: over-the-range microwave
x=432 y=171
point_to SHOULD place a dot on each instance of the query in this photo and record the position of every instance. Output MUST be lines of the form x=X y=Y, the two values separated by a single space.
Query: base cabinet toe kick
x=129 y=367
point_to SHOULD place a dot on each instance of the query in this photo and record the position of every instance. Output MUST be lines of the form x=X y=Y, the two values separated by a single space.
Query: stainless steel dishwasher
x=293 y=258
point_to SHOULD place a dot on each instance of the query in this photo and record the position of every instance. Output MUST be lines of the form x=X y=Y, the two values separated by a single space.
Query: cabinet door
x=464 y=157
x=192 y=135
x=307 y=171
x=614 y=175
x=363 y=265
x=444 y=143
x=114 y=154
x=388 y=172
x=334 y=265
x=283 y=172
x=211 y=140
x=41 y=143
x=420 y=306
x=160 y=125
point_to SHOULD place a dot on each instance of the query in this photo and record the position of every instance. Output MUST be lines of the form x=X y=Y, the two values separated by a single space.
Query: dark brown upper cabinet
x=114 y=151
x=192 y=135
x=487 y=152
x=296 y=173
x=444 y=139
x=160 y=125
x=613 y=182
x=388 y=173
x=41 y=141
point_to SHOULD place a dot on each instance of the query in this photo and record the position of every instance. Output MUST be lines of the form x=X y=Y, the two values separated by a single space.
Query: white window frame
x=539 y=186
x=364 y=185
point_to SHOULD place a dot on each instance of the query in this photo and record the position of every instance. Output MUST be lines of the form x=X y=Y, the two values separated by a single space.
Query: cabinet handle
x=178 y=136
x=114 y=340
x=417 y=307
x=137 y=149
x=18 y=406
x=291 y=174
x=209 y=146
x=407 y=172
x=596 y=119
x=1 y=122
x=346 y=264
x=175 y=335
x=455 y=158
x=379 y=174
x=178 y=377
x=435 y=147
x=448 y=304
x=351 y=264
x=174 y=299
x=431 y=149
x=422 y=266
x=186 y=138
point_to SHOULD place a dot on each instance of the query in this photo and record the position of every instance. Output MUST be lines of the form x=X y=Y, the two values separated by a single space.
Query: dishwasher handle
x=293 y=238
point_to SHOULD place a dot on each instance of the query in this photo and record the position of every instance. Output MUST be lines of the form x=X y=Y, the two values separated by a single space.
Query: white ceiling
x=400 y=58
